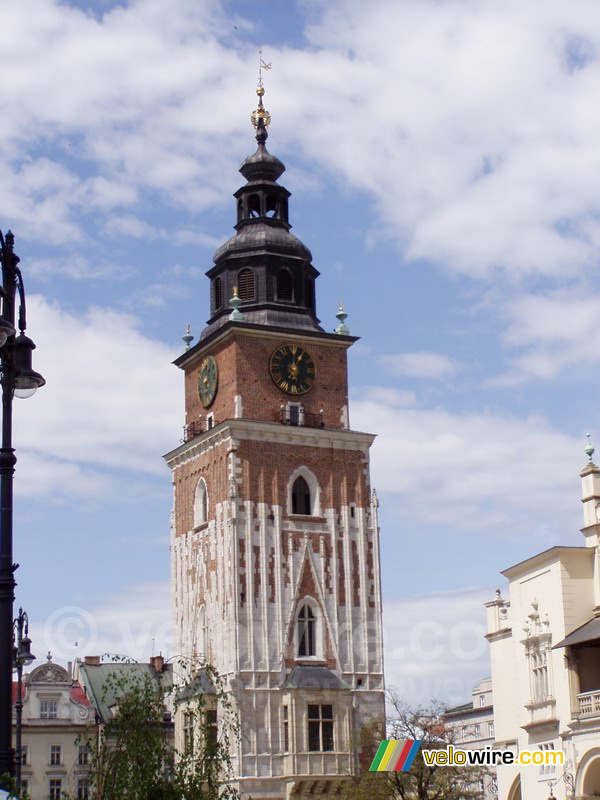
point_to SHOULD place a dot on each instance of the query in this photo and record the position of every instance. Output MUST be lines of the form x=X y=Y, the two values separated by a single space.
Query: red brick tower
x=275 y=554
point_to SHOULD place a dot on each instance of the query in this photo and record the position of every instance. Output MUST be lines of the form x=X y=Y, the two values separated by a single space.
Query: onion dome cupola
x=268 y=266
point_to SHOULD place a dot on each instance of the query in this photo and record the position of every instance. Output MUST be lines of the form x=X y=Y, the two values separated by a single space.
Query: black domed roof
x=262 y=237
x=262 y=166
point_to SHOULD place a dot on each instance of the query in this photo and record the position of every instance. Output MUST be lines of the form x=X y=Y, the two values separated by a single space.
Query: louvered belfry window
x=217 y=293
x=246 y=284
x=284 y=285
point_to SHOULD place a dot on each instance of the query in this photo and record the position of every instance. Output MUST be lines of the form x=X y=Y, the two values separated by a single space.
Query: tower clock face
x=292 y=369
x=208 y=380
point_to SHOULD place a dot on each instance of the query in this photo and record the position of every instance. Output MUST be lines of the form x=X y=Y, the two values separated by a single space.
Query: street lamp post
x=22 y=657
x=18 y=379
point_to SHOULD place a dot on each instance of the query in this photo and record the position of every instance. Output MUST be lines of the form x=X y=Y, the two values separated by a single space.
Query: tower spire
x=260 y=117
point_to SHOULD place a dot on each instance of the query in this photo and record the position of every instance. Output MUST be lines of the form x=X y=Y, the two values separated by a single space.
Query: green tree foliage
x=421 y=782
x=133 y=756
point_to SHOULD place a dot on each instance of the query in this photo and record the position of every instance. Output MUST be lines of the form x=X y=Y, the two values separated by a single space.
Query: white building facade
x=545 y=658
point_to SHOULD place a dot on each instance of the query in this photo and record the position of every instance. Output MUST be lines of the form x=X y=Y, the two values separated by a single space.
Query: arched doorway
x=587 y=783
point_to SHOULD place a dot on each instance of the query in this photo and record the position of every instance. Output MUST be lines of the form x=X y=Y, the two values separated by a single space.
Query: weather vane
x=260 y=116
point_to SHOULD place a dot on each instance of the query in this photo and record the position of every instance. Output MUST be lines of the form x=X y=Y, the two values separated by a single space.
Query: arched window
x=271 y=206
x=307 y=632
x=254 y=205
x=284 y=286
x=245 y=284
x=201 y=504
x=301 y=497
x=217 y=293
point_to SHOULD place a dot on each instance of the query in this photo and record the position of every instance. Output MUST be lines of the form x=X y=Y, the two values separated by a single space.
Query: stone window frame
x=311 y=603
x=314 y=488
x=201 y=503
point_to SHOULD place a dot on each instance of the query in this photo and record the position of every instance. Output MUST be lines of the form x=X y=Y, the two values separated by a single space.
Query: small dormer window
x=245 y=284
x=284 y=285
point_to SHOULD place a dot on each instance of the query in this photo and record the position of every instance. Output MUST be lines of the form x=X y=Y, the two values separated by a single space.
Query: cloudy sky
x=443 y=159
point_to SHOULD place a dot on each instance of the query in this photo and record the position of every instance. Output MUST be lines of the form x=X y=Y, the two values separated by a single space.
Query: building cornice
x=272 y=432
x=261 y=332
x=549 y=556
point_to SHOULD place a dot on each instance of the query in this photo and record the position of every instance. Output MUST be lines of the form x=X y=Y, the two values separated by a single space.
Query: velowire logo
x=395 y=755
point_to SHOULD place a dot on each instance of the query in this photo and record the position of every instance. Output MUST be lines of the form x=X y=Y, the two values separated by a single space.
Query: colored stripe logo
x=395 y=755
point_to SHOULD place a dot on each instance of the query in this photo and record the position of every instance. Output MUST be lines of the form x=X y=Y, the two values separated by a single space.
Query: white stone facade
x=242 y=580
x=545 y=653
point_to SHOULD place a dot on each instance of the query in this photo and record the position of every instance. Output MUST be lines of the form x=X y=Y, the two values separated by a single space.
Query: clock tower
x=274 y=539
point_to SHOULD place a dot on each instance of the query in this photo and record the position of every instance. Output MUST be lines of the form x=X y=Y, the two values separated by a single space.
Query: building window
x=306 y=632
x=476 y=731
x=24 y=754
x=320 y=728
x=188 y=733
x=217 y=293
x=55 y=755
x=491 y=733
x=83 y=755
x=286 y=730
x=245 y=284
x=211 y=732
x=539 y=671
x=283 y=285
x=300 y=497
x=48 y=709
x=481 y=700
x=271 y=206
x=547 y=769
x=201 y=504
x=83 y=789
x=55 y=789
x=253 y=206
x=24 y=787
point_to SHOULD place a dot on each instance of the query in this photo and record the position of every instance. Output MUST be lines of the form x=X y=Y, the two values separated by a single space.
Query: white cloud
x=469 y=125
x=112 y=397
x=435 y=647
x=419 y=365
x=472 y=128
x=554 y=332
x=498 y=475
x=135 y=622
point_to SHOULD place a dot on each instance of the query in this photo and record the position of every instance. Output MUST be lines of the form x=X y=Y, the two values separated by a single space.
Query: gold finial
x=235 y=291
x=341 y=308
x=260 y=116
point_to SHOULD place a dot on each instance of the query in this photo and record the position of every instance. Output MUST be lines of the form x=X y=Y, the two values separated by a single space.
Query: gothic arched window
x=301 y=497
x=245 y=284
x=201 y=504
x=283 y=285
x=307 y=632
